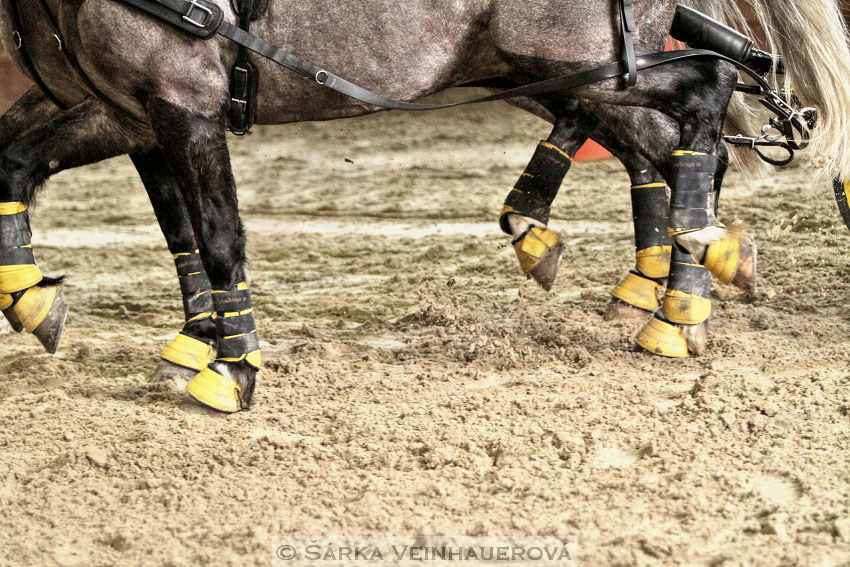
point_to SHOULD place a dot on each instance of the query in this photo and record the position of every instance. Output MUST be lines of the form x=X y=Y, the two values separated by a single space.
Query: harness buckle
x=190 y=11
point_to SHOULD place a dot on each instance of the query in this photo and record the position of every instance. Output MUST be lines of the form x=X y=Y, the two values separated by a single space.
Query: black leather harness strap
x=627 y=27
x=28 y=62
x=244 y=76
x=75 y=64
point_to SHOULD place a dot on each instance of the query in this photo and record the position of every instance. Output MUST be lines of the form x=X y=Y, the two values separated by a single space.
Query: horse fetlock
x=539 y=251
x=697 y=241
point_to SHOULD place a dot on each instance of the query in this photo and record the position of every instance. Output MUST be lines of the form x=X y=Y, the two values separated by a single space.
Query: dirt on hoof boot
x=225 y=387
x=734 y=259
x=622 y=311
x=173 y=374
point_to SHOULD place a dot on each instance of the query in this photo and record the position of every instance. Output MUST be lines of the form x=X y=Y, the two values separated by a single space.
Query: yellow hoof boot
x=539 y=252
x=654 y=262
x=188 y=352
x=216 y=391
x=638 y=291
x=663 y=338
x=42 y=312
x=733 y=259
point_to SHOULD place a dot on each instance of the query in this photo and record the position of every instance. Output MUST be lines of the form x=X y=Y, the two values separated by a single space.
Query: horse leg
x=525 y=214
x=639 y=292
x=32 y=107
x=71 y=138
x=698 y=104
x=195 y=147
x=194 y=347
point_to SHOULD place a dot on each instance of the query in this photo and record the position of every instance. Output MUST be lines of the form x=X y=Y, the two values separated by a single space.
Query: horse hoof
x=13 y=320
x=540 y=251
x=621 y=311
x=42 y=311
x=747 y=276
x=169 y=373
x=545 y=272
x=733 y=259
x=224 y=387
x=696 y=337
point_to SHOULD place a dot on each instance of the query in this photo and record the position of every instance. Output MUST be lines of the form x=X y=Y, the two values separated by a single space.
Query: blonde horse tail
x=812 y=37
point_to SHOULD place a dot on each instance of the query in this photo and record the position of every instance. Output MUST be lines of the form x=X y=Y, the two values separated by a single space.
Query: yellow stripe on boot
x=34 y=306
x=664 y=339
x=188 y=352
x=654 y=261
x=722 y=258
x=686 y=308
x=14 y=208
x=216 y=391
x=534 y=245
x=638 y=292
x=19 y=278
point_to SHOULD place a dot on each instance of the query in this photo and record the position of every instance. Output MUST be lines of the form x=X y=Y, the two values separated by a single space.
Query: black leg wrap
x=538 y=186
x=237 y=331
x=195 y=286
x=692 y=201
x=686 y=300
x=650 y=208
x=18 y=270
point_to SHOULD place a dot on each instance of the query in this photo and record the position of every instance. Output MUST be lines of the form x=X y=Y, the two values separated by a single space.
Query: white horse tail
x=812 y=37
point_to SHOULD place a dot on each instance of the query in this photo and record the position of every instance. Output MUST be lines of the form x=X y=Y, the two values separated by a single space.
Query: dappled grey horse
x=176 y=88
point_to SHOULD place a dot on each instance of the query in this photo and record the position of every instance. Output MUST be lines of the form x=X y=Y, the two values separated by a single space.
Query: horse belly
x=403 y=50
